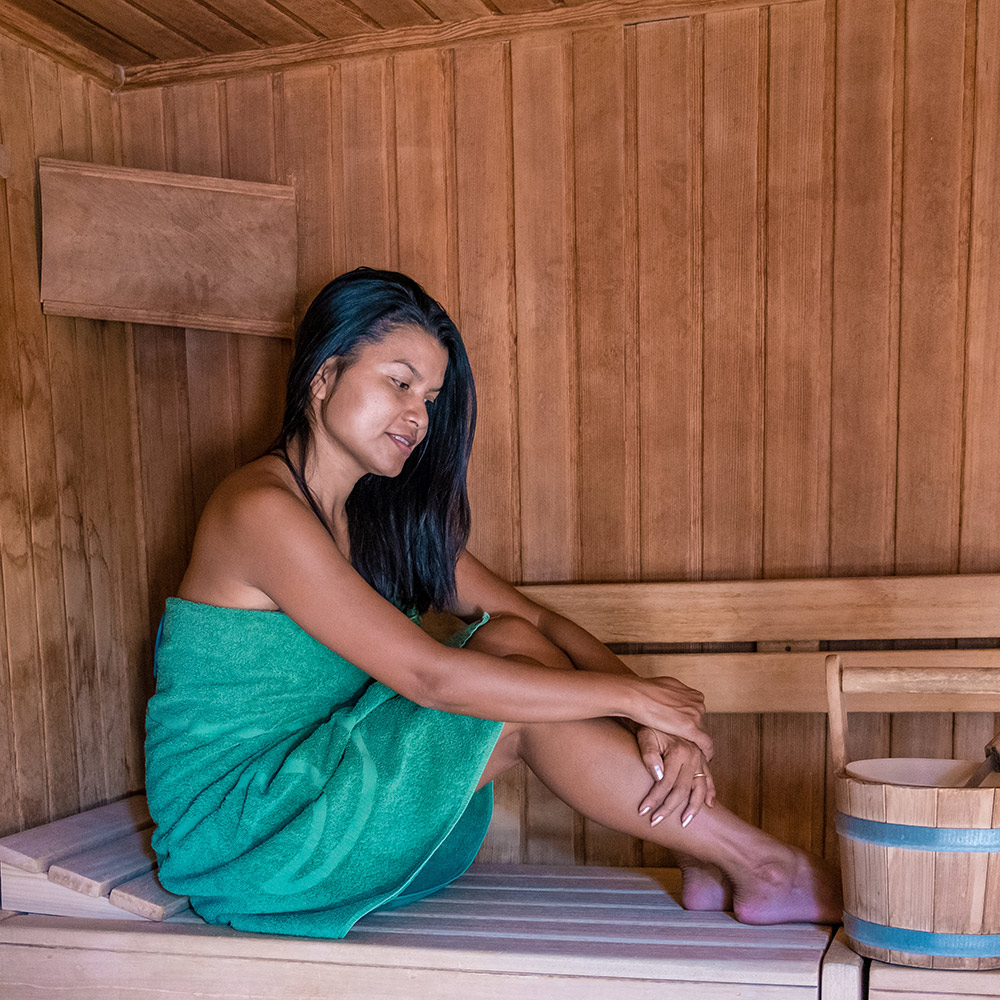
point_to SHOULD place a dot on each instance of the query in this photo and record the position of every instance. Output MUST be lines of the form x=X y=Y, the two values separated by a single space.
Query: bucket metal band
x=921 y=942
x=919 y=838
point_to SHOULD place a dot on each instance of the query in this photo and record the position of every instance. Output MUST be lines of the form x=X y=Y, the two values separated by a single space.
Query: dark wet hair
x=406 y=532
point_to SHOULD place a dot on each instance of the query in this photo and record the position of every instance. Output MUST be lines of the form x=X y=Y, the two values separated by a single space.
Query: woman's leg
x=594 y=766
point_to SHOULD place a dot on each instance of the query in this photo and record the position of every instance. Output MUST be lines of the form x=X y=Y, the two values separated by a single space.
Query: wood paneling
x=72 y=679
x=712 y=273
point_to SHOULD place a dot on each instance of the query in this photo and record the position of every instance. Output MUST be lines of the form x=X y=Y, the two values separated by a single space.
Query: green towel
x=293 y=793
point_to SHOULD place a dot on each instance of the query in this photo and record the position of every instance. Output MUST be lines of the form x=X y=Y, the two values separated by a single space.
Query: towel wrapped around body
x=292 y=792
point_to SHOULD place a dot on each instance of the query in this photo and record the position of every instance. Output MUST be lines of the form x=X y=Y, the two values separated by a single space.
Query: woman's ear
x=325 y=378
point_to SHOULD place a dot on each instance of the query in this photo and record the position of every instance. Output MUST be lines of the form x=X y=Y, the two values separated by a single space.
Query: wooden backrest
x=788 y=620
x=903 y=607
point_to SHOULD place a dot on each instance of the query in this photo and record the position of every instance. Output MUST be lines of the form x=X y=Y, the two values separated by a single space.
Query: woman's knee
x=511 y=635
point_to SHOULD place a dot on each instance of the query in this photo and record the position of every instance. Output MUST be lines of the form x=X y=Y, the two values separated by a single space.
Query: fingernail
x=644 y=810
x=687 y=819
x=656 y=819
x=658 y=771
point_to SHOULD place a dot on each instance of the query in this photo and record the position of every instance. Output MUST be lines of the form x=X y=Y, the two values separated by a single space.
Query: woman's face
x=376 y=411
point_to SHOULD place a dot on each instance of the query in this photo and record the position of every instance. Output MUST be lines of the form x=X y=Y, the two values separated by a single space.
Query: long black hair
x=406 y=532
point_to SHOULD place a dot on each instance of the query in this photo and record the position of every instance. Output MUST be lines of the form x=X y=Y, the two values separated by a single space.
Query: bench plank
x=145 y=897
x=35 y=850
x=39 y=973
x=97 y=871
x=32 y=892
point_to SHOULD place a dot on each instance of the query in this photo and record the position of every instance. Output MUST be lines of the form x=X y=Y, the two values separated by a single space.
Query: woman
x=312 y=754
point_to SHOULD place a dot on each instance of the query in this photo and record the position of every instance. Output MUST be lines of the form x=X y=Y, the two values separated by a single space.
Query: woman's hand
x=681 y=778
x=670 y=706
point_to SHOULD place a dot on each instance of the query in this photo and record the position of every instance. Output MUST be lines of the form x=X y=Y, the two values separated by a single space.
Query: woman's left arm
x=672 y=762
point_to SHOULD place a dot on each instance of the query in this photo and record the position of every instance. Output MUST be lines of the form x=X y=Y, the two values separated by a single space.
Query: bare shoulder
x=252 y=510
x=258 y=492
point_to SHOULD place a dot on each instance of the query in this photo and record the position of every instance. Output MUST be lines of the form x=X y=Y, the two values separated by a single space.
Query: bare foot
x=798 y=887
x=703 y=886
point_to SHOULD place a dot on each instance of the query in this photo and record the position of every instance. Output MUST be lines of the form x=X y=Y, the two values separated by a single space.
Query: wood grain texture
x=232 y=244
x=486 y=287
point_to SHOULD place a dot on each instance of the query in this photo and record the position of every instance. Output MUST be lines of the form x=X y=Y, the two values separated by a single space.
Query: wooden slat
x=32 y=892
x=486 y=278
x=95 y=872
x=793 y=682
x=931 y=330
x=32 y=565
x=145 y=897
x=912 y=982
x=607 y=479
x=546 y=358
x=35 y=850
x=306 y=117
x=547 y=369
x=849 y=608
x=115 y=976
x=71 y=39
x=368 y=163
x=424 y=170
x=797 y=376
x=980 y=546
x=140 y=30
x=669 y=154
x=842 y=972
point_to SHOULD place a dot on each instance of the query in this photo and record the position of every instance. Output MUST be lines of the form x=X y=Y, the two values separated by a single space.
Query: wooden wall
x=727 y=283
x=75 y=622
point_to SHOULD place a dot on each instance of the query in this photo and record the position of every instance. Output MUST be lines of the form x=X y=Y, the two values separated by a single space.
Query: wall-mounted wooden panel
x=172 y=249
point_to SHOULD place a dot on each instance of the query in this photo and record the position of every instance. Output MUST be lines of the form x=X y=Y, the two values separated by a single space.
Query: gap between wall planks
x=307 y=126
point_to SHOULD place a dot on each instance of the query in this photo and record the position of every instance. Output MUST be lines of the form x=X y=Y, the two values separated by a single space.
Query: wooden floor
x=499 y=932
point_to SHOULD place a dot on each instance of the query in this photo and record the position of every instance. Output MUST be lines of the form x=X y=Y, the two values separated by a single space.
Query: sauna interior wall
x=727 y=281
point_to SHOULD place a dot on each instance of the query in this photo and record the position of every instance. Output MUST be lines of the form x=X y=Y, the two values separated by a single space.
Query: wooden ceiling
x=138 y=32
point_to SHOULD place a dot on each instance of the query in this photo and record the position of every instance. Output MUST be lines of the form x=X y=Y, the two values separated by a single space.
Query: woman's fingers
x=651 y=752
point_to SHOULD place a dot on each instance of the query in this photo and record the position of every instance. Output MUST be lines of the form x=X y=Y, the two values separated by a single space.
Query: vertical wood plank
x=734 y=99
x=797 y=376
x=669 y=149
x=424 y=150
x=865 y=337
x=979 y=549
x=304 y=127
x=198 y=146
x=160 y=381
x=669 y=139
x=367 y=216
x=932 y=314
x=607 y=491
x=73 y=693
x=980 y=540
x=23 y=787
x=546 y=357
x=486 y=287
x=33 y=585
x=258 y=365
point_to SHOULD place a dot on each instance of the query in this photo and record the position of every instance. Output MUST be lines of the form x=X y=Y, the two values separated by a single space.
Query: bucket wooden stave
x=935 y=902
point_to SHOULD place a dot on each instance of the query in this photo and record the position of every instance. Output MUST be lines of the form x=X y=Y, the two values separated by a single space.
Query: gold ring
x=700 y=774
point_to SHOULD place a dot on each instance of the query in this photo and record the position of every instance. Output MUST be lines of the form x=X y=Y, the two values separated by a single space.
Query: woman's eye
x=400 y=384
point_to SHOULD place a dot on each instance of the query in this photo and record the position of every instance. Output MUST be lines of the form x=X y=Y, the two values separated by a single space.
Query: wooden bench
x=523 y=931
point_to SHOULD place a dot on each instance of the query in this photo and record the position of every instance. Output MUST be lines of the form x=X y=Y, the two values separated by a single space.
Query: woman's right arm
x=273 y=544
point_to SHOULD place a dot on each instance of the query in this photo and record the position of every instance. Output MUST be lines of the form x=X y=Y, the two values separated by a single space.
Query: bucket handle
x=838 y=713
x=856 y=678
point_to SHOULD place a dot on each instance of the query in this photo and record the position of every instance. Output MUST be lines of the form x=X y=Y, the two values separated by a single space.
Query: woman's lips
x=405 y=443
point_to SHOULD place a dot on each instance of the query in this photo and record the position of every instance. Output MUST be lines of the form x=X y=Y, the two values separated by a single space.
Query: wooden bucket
x=920 y=853
x=920 y=856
